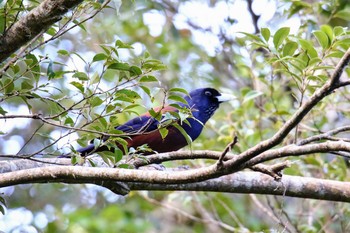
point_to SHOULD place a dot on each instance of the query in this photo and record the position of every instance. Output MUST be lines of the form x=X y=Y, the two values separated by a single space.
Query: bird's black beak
x=225 y=97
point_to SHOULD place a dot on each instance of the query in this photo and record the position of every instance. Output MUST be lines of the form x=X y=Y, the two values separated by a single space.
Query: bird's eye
x=208 y=93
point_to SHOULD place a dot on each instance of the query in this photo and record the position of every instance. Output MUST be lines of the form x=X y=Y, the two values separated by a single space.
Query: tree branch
x=254 y=182
x=36 y=21
x=240 y=182
x=297 y=117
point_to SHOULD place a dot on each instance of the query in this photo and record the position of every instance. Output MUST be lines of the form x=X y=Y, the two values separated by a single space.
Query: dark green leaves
x=119 y=66
x=133 y=70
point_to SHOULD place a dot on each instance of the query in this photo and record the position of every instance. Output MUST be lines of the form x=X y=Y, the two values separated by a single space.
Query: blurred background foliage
x=98 y=73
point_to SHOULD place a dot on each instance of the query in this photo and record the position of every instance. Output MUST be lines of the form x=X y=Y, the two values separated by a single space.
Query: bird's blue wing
x=144 y=123
x=139 y=124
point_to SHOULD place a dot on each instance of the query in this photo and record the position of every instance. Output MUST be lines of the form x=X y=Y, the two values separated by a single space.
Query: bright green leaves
x=265 y=32
x=153 y=65
x=324 y=36
x=322 y=39
x=251 y=94
x=305 y=61
x=148 y=78
x=100 y=57
x=280 y=35
x=289 y=49
x=81 y=76
x=174 y=95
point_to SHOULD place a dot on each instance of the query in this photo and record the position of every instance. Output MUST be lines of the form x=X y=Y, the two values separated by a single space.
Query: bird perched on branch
x=145 y=129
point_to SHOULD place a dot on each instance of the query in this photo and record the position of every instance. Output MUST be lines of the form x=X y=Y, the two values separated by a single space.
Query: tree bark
x=121 y=181
x=36 y=21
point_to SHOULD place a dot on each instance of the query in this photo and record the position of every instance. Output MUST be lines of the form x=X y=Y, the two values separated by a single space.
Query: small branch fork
x=227 y=149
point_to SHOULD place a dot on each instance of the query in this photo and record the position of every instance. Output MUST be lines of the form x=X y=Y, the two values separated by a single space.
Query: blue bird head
x=204 y=102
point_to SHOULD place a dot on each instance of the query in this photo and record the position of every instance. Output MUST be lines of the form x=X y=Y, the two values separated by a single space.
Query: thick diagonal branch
x=297 y=117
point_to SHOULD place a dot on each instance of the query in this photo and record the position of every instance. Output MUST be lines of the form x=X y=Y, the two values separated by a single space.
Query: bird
x=144 y=129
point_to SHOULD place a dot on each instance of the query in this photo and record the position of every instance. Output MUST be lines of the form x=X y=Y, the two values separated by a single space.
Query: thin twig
x=227 y=149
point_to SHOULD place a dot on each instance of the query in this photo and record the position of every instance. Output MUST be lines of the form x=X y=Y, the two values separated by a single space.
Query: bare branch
x=324 y=135
x=240 y=182
x=227 y=149
x=295 y=150
x=253 y=182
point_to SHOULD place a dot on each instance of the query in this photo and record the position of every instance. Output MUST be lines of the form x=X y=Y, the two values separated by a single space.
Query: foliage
x=85 y=76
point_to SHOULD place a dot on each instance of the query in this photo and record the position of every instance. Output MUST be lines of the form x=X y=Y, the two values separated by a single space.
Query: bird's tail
x=85 y=151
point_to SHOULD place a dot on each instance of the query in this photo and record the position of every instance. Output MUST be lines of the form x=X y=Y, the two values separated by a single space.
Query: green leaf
x=329 y=32
x=337 y=54
x=322 y=39
x=2 y=111
x=343 y=43
x=252 y=95
x=163 y=132
x=148 y=78
x=177 y=89
x=63 y=52
x=155 y=114
x=79 y=24
x=25 y=85
x=9 y=86
x=146 y=90
x=108 y=157
x=103 y=122
x=118 y=154
x=134 y=70
x=280 y=36
x=289 y=48
x=51 y=31
x=252 y=36
x=344 y=14
x=118 y=141
x=177 y=98
x=2 y=209
x=34 y=66
x=81 y=76
x=69 y=121
x=153 y=64
x=265 y=32
x=122 y=45
x=99 y=57
x=119 y=66
x=308 y=48
x=96 y=101
x=338 y=31
x=129 y=93
x=78 y=85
